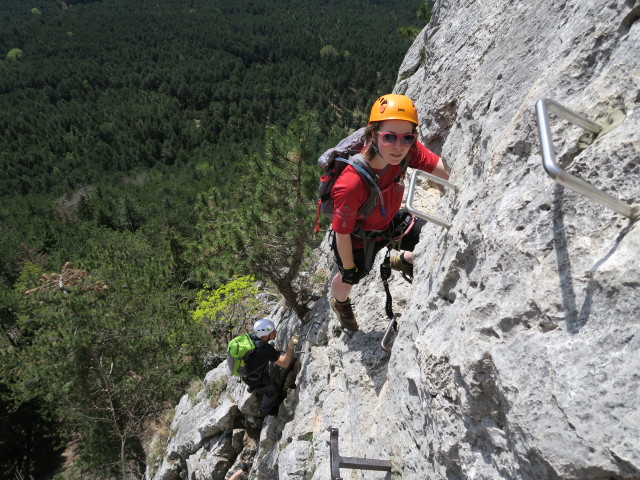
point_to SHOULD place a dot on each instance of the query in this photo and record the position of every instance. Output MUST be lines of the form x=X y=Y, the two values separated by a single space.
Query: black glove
x=245 y=467
x=350 y=276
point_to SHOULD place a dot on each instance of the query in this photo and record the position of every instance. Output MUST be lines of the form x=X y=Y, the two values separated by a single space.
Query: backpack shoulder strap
x=363 y=169
x=254 y=338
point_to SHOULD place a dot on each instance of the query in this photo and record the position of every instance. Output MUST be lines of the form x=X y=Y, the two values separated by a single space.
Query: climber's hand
x=293 y=342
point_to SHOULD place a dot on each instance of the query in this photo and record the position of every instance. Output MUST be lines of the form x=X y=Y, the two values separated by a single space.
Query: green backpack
x=238 y=351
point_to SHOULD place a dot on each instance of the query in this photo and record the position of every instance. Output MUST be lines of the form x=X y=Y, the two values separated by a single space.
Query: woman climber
x=389 y=137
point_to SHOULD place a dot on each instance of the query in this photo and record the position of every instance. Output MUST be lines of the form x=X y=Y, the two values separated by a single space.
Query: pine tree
x=268 y=229
x=105 y=351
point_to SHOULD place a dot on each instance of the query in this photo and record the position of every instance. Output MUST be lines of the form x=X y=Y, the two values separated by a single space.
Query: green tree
x=267 y=230
x=228 y=309
x=105 y=352
x=14 y=54
x=425 y=10
x=408 y=33
x=30 y=442
x=329 y=52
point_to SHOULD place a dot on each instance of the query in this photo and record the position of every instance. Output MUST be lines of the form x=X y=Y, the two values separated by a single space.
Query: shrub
x=14 y=54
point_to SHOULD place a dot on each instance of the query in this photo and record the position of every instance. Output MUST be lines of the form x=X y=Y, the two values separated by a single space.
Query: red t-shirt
x=350 y=192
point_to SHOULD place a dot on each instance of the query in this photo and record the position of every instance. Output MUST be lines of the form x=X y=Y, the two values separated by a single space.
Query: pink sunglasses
x=392 y=138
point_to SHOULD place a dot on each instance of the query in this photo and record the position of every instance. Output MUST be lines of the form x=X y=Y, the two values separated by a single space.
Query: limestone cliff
x=518 y=350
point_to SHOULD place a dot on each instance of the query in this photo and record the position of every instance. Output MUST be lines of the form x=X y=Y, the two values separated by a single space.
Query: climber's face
x=395 y=137
x=271 y=336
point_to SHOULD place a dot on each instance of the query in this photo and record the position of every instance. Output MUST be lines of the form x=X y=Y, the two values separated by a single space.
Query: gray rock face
x=525 y=324
x=518 y=350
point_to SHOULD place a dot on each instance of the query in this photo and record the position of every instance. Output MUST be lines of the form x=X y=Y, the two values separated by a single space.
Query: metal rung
x=353 y=463
x=412 y=189
x=544 y=106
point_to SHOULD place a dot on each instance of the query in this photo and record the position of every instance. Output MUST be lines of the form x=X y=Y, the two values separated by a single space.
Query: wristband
x=350 y=276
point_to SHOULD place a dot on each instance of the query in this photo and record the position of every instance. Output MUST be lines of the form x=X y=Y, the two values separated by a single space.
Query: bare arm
x=237 y=475
x=345 y=249
x=440 y=171
x=285 y=359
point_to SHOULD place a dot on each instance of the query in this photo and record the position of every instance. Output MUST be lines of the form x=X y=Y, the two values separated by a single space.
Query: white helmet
x=264 y=327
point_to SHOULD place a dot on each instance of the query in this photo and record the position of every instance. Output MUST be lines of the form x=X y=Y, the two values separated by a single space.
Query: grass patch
x=214 y=390
x=194 y=388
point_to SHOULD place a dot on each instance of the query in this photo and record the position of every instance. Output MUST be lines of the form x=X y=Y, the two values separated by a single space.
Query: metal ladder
x=412 y=189
x=337 y=461
x=429 y=218
x=544 y=106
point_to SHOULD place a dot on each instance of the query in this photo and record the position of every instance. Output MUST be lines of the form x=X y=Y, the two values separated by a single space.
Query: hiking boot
x=398 y=263
x=345 y=314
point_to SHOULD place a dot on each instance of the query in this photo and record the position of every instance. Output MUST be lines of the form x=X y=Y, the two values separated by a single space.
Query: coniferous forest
x=150 y=152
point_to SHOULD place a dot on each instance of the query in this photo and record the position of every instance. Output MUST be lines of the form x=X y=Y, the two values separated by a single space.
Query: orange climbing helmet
x=394 y=107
